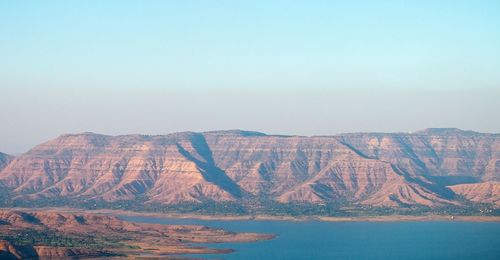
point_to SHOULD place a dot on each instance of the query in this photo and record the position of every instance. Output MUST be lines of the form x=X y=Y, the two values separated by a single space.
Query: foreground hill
x=430 y=168
x=63 y=235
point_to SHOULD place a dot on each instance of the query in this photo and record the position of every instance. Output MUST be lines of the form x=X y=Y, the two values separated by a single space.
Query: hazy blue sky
x=288 y=67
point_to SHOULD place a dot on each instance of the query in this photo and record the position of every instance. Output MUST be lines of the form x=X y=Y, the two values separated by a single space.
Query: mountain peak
x=236 y=132
x=81 y=134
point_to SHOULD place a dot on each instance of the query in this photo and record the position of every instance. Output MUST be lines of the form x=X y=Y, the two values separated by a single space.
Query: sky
x=280 y=67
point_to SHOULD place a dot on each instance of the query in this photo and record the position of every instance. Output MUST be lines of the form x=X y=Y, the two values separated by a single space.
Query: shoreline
x=388 y=218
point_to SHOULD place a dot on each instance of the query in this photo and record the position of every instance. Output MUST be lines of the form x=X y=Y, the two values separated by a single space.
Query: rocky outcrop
x=378 y=169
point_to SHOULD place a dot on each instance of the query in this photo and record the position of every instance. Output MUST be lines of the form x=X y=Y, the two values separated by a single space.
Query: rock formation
x=431 y=167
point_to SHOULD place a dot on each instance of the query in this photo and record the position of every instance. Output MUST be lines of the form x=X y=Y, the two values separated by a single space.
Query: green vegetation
x=259 y=206
x=47 y=237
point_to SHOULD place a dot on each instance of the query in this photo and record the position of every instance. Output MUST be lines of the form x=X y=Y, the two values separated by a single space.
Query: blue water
x=356 y=240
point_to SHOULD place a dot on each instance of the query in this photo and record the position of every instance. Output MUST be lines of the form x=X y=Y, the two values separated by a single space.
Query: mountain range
x=429 y=168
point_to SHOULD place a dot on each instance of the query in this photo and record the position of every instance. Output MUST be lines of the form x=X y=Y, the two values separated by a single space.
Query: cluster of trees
x=270 y=207
x=46 y=237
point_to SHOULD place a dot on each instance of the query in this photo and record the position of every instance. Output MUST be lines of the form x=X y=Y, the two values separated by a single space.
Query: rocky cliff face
x=428 y=167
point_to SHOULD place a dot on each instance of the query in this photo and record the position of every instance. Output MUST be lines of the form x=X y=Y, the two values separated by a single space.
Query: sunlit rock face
x=430 y=167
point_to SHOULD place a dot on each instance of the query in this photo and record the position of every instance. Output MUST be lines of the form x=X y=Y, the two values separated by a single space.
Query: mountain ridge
x=397 y=170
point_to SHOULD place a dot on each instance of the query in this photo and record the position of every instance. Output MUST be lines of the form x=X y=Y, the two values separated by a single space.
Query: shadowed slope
x=4 y=160
x=206 y=165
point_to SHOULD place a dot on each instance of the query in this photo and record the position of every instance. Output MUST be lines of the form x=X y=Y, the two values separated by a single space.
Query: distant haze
x=308 y=68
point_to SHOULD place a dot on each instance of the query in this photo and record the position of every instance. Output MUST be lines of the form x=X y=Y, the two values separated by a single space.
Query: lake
x=355 y=240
